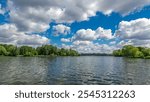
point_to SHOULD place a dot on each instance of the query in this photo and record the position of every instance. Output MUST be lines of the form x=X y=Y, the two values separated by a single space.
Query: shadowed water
x=83 y=70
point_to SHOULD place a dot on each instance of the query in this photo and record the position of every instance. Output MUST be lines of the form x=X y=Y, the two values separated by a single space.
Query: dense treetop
x=11 y=50
x=132 y=51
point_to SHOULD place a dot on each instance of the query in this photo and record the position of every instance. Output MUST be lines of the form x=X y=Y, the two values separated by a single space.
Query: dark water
x=83 y=70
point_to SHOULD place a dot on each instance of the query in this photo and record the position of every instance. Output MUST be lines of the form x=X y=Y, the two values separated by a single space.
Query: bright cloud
x=136 y=31
x=61 y=29
x=10 y=34
x=90 y=35
x=90 y=47
x=35 y=15
x=87 y=35
x=104 y=33
x=30 y=18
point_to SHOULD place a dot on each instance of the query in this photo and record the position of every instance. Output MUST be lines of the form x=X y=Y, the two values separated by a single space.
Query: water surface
x=82 y=70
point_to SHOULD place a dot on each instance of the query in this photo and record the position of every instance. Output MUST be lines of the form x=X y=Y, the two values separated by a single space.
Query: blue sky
x=89 y=26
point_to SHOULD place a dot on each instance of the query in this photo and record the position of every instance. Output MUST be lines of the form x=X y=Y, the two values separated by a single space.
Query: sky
x=88 y=26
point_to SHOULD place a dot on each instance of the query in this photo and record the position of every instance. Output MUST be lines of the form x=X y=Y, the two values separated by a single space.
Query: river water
x=82 y=70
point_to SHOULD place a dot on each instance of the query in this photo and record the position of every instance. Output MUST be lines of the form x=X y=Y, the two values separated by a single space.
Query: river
x=82 y=70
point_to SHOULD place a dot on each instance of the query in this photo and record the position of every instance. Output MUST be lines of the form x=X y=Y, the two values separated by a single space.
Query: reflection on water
x=74 y=70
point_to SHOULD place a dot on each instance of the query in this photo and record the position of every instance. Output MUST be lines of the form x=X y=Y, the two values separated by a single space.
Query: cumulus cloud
x=123 y=7
x=90 y=35
x=135 y=29
x=137 y=32
x=104 y=33
x=87 y=35
x=61 y=29
x=82 y=41
x=32 y=18
x=90 y=47
x=35 y=15
x=10 y=34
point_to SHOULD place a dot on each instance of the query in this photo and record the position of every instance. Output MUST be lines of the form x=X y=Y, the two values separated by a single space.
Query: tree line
x=12 y=50
x=133 y=52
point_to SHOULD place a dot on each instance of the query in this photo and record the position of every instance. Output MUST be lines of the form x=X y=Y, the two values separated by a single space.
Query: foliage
x=47 y=50
x=3 y=50
x=27 y=51
x=54 y=51
x=134 y=52
x=11 y=50
x=117 y=53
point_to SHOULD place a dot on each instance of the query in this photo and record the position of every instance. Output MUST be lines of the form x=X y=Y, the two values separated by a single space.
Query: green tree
x=117 y=53
x=73 y=53
x=62 y=52
x=138 y=54
x=126 y=50
x=12 y=50
x=146 y=51
x=133 y=52
x=3 y=51
x=28 y=51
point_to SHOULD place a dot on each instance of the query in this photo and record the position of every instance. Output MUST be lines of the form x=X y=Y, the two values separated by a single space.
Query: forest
x=133 y=52
x=12 y=50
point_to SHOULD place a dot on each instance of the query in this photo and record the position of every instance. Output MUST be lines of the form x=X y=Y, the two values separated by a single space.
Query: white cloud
x=9 y=34
x=135 y=42
x=82 y=41
x=32 y=18
x=90 y=35
x=137 y=32
x=135 y=29
x=61 y=29
x=90 y=47
x=123 y=7
x=65 y=40
x=86 y=35
x=35 y=15
x=104 y=33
